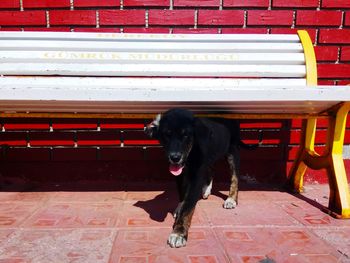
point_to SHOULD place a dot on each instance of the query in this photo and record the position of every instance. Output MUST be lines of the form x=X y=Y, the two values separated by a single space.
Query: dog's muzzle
x=176 y=165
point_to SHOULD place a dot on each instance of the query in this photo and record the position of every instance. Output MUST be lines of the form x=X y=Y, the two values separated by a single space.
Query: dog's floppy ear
x=152 y=129
x=202 y=135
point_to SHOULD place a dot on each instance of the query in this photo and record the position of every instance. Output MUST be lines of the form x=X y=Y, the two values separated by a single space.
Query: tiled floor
x=132 y=225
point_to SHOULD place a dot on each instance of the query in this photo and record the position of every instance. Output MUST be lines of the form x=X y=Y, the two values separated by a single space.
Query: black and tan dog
x=192 y=146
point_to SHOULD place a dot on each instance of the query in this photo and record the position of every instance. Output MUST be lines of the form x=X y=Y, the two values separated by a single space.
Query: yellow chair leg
x=339 y=198
x=332 y=161
x=296 y=174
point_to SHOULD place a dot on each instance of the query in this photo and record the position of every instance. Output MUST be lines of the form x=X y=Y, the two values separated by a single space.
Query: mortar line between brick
x=146 y=18
x=97 y=19
x=338 y=55
x=27 y=140
x=316 y=37
x=319 y=5
x=71 y=2
x=75 y=138
x=195 y=18
x=50 y=126
x=98 y=128
x=342 y=21
x=98 y=153
x=47 y=14
x=294 y=19
x=21 y=5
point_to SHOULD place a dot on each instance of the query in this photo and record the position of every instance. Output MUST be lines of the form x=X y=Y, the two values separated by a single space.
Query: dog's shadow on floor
x=165 y=203
x=159 y=207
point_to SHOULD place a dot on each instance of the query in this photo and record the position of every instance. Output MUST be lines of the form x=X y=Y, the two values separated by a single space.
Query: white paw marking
x=176 y=240
x=207 y=190
x=230 y=203
x=177 y=210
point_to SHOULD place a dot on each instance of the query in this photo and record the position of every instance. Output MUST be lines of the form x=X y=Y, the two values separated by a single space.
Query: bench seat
x=130 y=95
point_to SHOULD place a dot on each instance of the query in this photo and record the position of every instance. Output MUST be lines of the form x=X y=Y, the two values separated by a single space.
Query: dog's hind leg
x=233 y=161
x=206 y=190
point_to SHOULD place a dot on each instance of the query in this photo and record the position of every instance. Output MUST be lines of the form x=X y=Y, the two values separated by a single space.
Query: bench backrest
x=153 y=55
x=149 y=73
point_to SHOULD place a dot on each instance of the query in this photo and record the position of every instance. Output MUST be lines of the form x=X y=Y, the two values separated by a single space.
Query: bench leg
x=296 y=174
x=339 y=199
x=332 y=161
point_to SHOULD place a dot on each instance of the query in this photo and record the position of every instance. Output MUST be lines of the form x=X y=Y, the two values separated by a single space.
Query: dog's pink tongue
x=175 y=169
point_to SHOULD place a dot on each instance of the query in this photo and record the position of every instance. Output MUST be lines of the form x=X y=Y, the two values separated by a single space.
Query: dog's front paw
x=230 y=203
x=176 y=240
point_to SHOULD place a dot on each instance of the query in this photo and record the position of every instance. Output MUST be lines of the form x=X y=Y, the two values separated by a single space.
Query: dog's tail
x=252 y=146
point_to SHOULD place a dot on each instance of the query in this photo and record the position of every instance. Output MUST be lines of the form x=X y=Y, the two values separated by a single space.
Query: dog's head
x=175 y=130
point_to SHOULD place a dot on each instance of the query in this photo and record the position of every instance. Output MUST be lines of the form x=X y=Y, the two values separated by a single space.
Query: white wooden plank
x=146 y=37
x=144 y=83
x=156 y=57
x=157 y=107
x=152 y=70
x=291 y=100
x=37 y=45
x=222 y=95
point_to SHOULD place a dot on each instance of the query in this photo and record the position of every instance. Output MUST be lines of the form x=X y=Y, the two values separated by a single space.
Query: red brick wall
x=89 y=148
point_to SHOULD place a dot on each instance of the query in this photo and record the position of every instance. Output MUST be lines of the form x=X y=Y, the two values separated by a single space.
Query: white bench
x=106 y=75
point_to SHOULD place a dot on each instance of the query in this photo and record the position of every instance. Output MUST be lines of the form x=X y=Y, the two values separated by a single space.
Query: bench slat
x=156 y=107
x=269 y=107
x=140 y=57
x=217 y=94
x=152 y=70
x=282 y=38
x=143 y=83
x=132 y=46
x=285 y=99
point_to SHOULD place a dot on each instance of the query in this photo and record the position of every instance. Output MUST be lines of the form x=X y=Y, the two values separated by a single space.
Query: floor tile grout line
x=222 y=245
x=116 y=233
x=32 y=213
x=324 y=241
x=138 y=228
